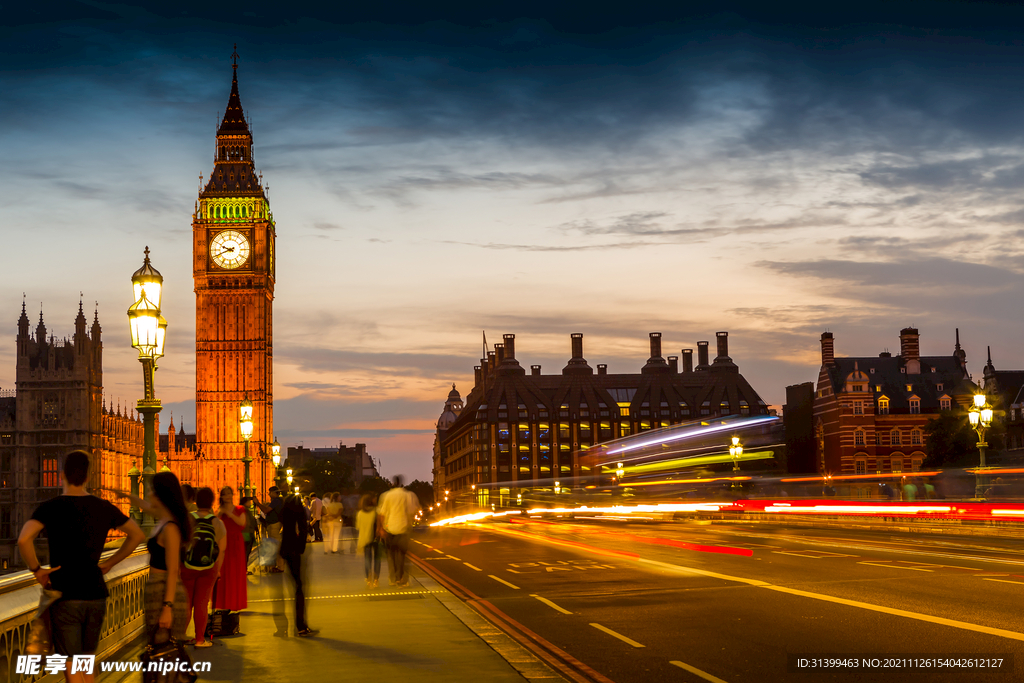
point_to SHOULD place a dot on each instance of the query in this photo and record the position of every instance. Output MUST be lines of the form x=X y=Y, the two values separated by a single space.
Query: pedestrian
x=76 y=524
x=272 y=510
x=396 y=510
x=368 y=543
x=332 y=518
x=294 y=530
x=188 y=492
x=203 y=562
x=166 y=605
x=316 y=509
x=231 y=587
x=909 y=491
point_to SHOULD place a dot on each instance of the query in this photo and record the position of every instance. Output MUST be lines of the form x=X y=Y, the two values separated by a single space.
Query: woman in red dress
x=230 y=593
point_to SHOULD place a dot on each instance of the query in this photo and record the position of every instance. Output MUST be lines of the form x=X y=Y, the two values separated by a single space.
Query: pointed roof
x=234 y=118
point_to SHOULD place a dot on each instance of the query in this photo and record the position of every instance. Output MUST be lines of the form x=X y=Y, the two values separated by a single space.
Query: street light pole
x=275 y=450
x=980 y=416
x=735 y=450
x=148 y=329
x=245 y=427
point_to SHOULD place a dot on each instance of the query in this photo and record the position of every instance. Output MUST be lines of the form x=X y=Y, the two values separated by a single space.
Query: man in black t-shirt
x=76 y=525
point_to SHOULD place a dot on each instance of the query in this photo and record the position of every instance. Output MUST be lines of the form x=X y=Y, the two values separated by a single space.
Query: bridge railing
x=19 y=598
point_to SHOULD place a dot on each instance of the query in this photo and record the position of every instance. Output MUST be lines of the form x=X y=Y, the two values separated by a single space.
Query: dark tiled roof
x=643 y=392
x=888 y=373
x=1006 y=384
x=227 y=181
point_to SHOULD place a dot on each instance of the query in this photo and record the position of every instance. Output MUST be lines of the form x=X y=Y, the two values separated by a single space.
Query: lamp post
x=275 y=450
x=980 y=415
x=735 y=451
x=148 y=329
x=245 y=427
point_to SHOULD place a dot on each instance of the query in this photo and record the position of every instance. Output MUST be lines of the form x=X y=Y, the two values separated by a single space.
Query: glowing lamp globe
x=144 y=322
x=148 y=281
x=245 y=418
x=974 y=416
x=979 y=400
x=986 y=417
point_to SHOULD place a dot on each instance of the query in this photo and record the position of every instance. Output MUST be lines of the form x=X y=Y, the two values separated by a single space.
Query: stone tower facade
x=58 y=407
x=233 y=270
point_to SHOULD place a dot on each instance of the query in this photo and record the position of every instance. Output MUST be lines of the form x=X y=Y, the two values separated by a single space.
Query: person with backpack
x=203 y=561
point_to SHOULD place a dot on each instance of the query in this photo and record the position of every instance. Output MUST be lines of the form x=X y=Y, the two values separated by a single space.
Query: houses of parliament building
x=58 y=404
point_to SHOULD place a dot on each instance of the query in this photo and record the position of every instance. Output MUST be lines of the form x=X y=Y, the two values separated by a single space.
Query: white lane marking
x=697 y=672
x=1002 y=633
x=472 y=567
x=701 y=572
x=510 y=585
x=628 y=641
x=804 y=553
x=1005 y=581
x=893 y=566
x=552 y=605
x=452 y=557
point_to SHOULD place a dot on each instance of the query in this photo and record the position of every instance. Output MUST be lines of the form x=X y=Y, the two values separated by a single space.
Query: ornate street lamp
x=245 y=427
x=275 y=450
x=148 y=330
x=980 y=415
x=736 y=450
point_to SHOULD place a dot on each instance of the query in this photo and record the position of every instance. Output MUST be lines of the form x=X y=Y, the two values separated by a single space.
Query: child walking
x=366 y=524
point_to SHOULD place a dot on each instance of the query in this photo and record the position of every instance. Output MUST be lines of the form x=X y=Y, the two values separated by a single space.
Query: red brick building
x=870 y=411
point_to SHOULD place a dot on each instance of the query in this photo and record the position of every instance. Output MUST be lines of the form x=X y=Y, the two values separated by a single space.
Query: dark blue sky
x=531 y=168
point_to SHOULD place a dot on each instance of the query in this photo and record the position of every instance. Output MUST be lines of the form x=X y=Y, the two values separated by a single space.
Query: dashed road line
x=452 y=557
x=697 y=672
x=628 y=641
x=977 y=628
x=895 y=566
x=510 y=585
x=1004 y=581
x=472 y=567
x=552 y=605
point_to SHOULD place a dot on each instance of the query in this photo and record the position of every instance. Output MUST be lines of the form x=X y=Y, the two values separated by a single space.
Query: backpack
x=202 y=553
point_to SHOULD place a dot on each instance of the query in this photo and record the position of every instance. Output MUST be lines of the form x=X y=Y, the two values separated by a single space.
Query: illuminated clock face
x=229 y=249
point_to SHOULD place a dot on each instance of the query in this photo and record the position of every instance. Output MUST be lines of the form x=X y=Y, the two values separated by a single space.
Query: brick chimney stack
x=828 y=349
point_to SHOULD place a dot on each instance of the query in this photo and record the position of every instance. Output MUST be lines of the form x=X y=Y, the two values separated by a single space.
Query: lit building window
x=883 y=406
x=645 y=425
x=48 y=472
x=564 y=432
x=724 y=409
x=625 y=429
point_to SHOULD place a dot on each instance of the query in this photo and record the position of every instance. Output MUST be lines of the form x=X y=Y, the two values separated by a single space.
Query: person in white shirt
x=396 y=511
x=316 y=509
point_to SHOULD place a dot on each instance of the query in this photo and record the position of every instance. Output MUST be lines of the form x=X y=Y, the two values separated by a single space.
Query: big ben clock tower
x=233 y=269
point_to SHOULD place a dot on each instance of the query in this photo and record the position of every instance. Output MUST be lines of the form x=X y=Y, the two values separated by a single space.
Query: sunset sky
x=435 y=172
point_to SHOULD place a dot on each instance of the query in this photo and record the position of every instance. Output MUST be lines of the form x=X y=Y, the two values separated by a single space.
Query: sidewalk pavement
x=418 y=633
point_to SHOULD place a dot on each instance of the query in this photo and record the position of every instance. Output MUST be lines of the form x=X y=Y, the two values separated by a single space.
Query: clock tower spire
x=233 y=233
